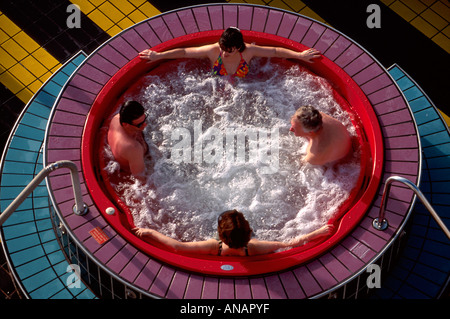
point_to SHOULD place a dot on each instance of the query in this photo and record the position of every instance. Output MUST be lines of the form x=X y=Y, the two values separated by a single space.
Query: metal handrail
x=79 y=208
x=381 y=223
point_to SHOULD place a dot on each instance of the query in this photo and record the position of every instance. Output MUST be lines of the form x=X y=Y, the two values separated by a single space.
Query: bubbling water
x=282 y=197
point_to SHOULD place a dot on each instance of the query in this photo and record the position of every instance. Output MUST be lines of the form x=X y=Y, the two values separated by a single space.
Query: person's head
x=234 y=230
x=132 y=113
x=306 y=120
x=232 y=40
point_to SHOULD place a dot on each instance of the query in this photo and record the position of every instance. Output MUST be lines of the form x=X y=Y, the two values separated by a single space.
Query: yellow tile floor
x=431 y=17
x=24 y=65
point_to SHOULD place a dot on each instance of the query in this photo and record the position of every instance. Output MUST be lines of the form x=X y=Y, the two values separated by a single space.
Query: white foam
x=183 y=200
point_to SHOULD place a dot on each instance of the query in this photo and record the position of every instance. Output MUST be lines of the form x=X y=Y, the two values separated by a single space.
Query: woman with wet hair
x=234 y=239
x=230 y=55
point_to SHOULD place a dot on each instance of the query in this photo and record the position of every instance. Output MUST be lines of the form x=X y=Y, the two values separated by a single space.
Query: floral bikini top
x=219 y=68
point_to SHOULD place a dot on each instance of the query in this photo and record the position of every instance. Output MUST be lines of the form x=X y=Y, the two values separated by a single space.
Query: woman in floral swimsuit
x=231 y=55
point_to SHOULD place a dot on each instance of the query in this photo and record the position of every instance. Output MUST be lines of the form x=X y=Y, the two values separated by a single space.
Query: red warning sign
x=99 y=235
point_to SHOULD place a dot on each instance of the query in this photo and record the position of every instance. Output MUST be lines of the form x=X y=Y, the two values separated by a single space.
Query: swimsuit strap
x=220 y=248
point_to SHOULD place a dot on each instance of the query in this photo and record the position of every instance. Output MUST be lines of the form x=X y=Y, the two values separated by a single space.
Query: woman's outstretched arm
x=206 y=247
x=260 y=247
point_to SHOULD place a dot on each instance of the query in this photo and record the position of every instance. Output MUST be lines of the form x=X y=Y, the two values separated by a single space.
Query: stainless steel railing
x=79 y=208
x=381 y=223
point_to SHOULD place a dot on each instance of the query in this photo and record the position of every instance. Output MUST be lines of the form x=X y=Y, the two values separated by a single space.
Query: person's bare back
x=332 y=143
x=329 y=139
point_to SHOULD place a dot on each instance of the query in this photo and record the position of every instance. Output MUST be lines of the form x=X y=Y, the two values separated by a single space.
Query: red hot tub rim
x=354 y=209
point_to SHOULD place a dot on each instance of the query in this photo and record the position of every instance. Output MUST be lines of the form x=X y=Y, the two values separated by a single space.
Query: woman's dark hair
x=234 y=230
x=232 y=38
x=130 y=111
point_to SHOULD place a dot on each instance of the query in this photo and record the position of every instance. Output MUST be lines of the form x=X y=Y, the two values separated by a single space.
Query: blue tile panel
x=424 y=267
x=28 y=234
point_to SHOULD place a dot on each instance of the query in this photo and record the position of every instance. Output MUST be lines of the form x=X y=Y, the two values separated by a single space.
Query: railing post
x=79 y=208
x=381 y=223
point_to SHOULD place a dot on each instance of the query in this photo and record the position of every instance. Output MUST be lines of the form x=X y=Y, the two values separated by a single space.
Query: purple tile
x=301 y=27
x=407 y=128
x=313 y=34
x=124 y=48
x=368 y=74
x=350 y=54
x=396 y=117
x=358 y=249
x=259 y=19
x=242 y=287
x=385 y=94
x=160 y=29
x=412 y=178
x=401 y=142
x=291 y=286
x=377 y=83
x=86 y=84
x=226 y=288
x=398 y=191
x=109 y=249
x=188 y=21
x=70 y=119
x=336 y=49
x=63 y=130
x=326 y=40
x=72 y=106
x=335 y=267
x=99 y=72
x=230 y=14
x=174 y=24
x=321 y=274
x=59 y=142
x=178 y=285
x=391 y=105
x=216 y=16
x=202 y=17
x=148 y=274
x=287 y=25
x=74 y=93
x=358 y=64
x=369 y=239
x=122 y=258
x=348 y=259
x=273 y=21
x=113 y=56
x=59 y=155
x=98 y=69
x=134 y=267
x=402 y=155
x=194 y=287
x=309 y=284
x=259 y=290
x=134 y=39
x=146 y=33
x=245 y=17
x=162 y=281
x=274 y=287
x=81 y=229
x=210 y=288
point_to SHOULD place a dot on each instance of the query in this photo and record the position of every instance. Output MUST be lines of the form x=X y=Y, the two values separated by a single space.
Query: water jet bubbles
x=183 y=198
